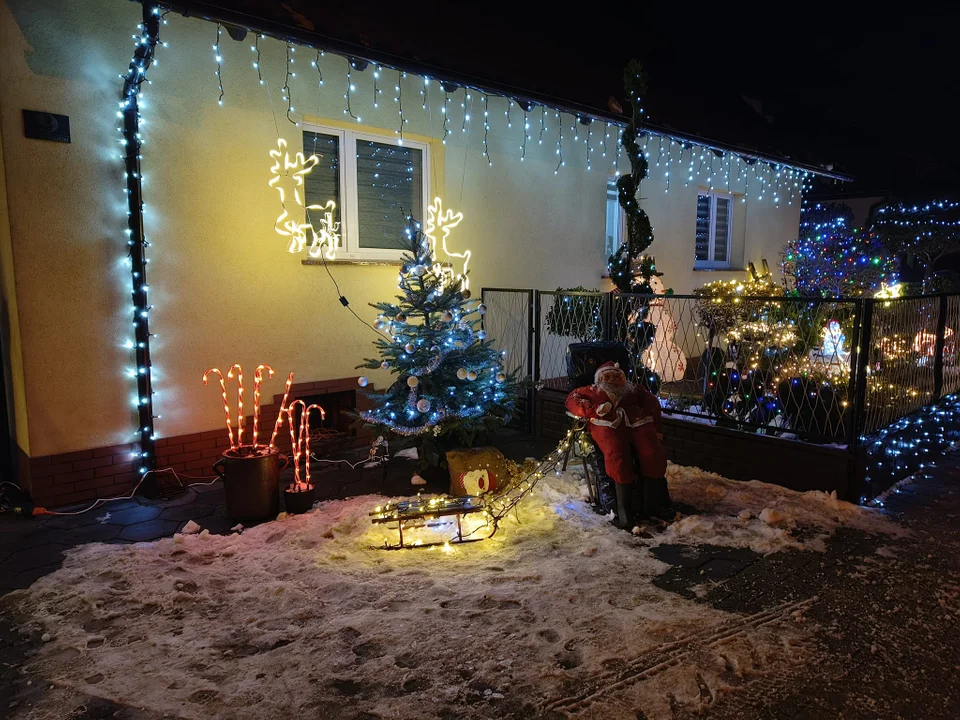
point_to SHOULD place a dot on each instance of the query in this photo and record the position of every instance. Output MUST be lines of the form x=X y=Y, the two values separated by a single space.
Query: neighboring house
x=223 y=287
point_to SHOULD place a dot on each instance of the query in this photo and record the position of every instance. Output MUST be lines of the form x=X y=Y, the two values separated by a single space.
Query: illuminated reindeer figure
x=326 y=233
x=438 y=219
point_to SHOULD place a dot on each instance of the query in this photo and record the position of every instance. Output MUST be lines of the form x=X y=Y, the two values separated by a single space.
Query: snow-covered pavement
x=557 y=615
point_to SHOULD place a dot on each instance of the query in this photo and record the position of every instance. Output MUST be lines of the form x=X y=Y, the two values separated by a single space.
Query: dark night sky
x=875 y=94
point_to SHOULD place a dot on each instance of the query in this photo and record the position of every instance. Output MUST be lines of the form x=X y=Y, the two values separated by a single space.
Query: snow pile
x=760 y=516
x=303 y=616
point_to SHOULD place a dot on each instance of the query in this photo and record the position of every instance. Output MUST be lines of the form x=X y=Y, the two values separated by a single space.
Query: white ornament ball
x=501 y=377
x=363 y=381
x=462 y=373
x=413 y=381
x=409 y=347
x=434 y=349
x=447 y=316
x=384 y=365
x=423 y=405
x=482 y=309
x=472 y=375
x=481 y=335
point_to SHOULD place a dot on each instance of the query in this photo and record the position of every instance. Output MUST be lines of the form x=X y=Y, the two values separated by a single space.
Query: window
x=714 y=221
x=375 y=182
x=616 y=232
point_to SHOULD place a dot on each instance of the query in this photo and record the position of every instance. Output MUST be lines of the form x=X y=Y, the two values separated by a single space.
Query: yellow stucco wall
x=223 y=288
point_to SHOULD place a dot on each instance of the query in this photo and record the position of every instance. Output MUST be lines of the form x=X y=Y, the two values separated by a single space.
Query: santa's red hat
x=603 y=368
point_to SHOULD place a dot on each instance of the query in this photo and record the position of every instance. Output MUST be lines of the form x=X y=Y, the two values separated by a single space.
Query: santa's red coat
x=634 y=420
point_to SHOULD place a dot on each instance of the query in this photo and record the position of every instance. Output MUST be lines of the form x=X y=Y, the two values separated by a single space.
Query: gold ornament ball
x=409 y=347
x=401 y=317
x=447 y=316
x=462 y=373
x=472 y=375
x=466 y=294
x=413 y=381
x=501 y=377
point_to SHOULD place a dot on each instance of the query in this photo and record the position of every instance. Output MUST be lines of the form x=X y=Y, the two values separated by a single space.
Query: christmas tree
x=450 y=387
x=831 y=258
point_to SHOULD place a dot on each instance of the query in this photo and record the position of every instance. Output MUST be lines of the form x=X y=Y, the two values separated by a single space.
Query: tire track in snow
x=667 y=655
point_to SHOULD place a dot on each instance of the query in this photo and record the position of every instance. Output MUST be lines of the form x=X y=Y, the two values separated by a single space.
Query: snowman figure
x=663 y=356
x=476 y=482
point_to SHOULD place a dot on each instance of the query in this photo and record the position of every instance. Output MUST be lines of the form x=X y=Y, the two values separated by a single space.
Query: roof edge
x=319 y=41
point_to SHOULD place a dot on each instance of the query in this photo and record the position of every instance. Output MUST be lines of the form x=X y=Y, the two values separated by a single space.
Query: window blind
x=389 y=187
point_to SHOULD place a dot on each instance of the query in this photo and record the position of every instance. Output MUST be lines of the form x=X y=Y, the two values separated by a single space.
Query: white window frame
x=621 y=219
x=715 y=264
x=349 y=204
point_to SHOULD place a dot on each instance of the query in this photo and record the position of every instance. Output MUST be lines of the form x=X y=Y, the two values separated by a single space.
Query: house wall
x=223 y=288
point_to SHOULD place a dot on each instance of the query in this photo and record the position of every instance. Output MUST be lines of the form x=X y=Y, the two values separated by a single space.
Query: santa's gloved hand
x=604 y=408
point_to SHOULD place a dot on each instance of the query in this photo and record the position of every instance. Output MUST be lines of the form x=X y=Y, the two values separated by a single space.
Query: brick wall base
x=736 y=455
x=74 y=477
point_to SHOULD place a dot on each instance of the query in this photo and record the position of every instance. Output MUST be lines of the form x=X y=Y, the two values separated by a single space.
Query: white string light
x=219 y=60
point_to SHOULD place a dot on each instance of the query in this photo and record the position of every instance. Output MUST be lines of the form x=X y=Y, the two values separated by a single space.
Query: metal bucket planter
x=299 y=502
x=251 y=482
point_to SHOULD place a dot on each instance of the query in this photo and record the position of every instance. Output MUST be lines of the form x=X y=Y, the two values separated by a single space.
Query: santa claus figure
x=624 y=421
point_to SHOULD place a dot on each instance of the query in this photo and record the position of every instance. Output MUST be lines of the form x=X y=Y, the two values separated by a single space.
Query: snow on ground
x=760 y=516
x=555 y=614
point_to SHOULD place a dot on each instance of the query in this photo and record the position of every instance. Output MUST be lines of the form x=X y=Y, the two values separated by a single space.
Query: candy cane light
x=300 y=441
x=236 y=371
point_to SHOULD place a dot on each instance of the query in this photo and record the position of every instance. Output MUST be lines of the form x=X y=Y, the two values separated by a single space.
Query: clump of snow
x=761 y=516
x=303 y=616
x=191 y=528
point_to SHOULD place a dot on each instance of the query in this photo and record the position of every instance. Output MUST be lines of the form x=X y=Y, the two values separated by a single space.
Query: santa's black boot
x=624 y=517
x=656 y=498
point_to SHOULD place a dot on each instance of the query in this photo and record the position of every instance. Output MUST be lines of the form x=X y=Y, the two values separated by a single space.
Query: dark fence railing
x=821 y=370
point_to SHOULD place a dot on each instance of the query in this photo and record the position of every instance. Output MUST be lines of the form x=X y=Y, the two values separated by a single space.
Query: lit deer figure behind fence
x=440 y=220
x=324 y=234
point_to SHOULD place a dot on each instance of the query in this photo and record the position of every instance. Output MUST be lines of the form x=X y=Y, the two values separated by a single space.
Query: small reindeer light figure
x=439 y=219
x=326 y=233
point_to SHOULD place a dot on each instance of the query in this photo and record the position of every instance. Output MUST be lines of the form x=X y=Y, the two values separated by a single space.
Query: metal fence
x=827 y=371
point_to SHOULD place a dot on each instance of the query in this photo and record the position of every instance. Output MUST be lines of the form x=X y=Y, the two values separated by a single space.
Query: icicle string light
x=219 y=60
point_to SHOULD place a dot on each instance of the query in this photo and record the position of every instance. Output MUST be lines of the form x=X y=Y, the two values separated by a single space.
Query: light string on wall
x=218 y=58
x=399 y=100
x=129 y=113
x=486 y=130
x=256 y=63
x=351 y=88
x=285 y=91
x=560 y=162
x=465 y=111
x=376 y=87
x=316 y=64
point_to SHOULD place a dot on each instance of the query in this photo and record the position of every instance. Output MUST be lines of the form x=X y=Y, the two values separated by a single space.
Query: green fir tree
x=451 y=389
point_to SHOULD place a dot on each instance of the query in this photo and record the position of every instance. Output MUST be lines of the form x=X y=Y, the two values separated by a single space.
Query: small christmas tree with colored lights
x=831 y=258
x=451 y=388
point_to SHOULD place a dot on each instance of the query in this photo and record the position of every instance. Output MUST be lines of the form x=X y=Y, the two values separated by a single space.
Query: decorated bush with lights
x=450 y=388
x=832 y=258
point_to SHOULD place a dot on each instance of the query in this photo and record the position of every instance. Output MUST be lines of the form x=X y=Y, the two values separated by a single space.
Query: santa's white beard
x=615 y=392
